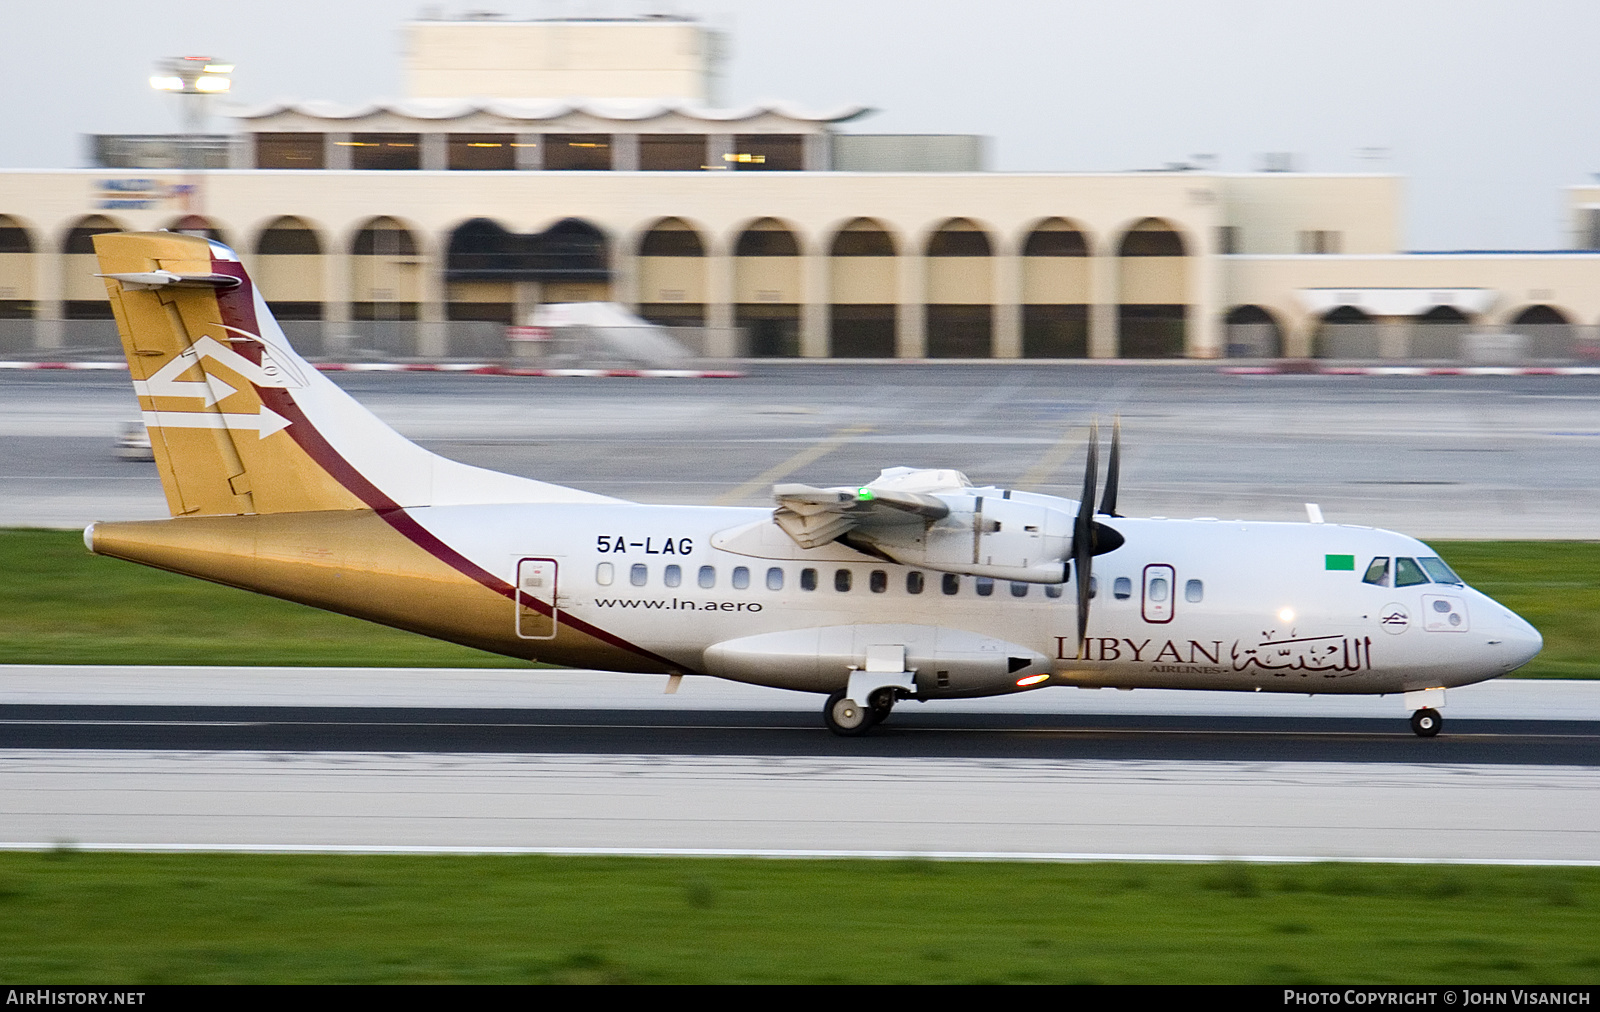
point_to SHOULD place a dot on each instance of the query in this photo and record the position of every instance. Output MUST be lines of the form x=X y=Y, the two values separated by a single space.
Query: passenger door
x=536 y=599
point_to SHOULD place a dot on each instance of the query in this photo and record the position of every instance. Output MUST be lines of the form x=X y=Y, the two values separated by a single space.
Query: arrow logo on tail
x=265 y=422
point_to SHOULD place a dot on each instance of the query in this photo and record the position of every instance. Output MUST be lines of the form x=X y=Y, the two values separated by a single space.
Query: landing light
x=1286 y=615
x=1031 y=680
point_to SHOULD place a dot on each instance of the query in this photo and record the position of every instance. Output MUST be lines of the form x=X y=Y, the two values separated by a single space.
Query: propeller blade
x=1083 y=533
x=1108 y=498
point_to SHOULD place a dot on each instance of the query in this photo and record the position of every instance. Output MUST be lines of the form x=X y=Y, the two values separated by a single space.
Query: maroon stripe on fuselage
x=317 y=447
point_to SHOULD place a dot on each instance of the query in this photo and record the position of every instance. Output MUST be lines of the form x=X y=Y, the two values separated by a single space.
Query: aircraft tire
x=1426 y=722
x=879 y=705
x=846 y=717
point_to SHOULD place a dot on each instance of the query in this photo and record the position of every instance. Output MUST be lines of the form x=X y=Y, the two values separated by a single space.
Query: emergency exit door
x=536 y=599
x=1159 y=584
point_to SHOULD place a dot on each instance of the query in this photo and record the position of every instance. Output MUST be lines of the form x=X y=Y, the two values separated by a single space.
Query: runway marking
x=761 y=481
x=1064 y=857
x=1048 y=464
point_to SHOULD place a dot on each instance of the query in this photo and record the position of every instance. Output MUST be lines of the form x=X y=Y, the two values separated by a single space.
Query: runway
x=278 y=759
x=1451 y=456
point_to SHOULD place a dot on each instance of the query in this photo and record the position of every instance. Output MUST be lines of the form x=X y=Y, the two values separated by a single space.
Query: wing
x=815 y=516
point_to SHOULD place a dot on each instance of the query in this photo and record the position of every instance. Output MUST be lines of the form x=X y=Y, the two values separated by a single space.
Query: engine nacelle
x=983 y=535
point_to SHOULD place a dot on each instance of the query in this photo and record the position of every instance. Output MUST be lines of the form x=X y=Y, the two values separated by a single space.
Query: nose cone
x=1522 y=641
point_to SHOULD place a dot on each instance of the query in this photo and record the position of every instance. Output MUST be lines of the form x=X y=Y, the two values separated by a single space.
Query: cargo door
x=536 y=599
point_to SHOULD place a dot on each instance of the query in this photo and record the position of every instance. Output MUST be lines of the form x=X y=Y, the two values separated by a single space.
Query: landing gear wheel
x=880 y=703
x=846 y=717
x=1426 y=722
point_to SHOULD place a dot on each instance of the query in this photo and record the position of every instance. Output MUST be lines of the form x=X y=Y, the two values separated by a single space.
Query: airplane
x=916 y=585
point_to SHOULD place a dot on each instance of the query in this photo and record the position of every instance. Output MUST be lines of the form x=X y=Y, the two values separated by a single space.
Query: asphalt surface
x=789 y=733
x=1450 y=456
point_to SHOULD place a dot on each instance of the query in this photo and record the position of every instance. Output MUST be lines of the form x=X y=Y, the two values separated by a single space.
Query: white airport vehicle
x=915 y=585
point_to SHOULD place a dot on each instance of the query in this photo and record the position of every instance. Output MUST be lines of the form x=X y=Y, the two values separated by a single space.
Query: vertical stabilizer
x=239 y=422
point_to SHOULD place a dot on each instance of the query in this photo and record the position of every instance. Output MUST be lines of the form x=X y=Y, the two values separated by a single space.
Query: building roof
x=536 y=110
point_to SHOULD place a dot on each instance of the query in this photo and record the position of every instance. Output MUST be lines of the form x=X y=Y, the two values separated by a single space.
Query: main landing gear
x=844 y=716
x=1426 y=722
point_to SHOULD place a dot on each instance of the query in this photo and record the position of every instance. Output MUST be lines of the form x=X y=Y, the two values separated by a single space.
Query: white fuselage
x=1245 y=605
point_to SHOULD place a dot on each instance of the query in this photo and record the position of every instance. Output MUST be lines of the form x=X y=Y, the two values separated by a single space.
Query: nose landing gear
x=1426 y=722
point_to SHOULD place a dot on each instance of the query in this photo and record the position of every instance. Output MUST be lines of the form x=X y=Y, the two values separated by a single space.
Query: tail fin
x=239 y=422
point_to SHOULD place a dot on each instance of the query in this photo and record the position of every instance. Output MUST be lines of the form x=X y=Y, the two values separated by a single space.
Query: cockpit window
x=1377 y=572
x=1440 y=572
x=1407 y=573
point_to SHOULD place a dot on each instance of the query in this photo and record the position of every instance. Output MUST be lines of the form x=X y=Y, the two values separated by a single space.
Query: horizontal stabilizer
x=142 y=281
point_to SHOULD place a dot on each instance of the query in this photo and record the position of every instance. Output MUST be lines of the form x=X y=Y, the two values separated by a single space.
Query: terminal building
x=588 y=160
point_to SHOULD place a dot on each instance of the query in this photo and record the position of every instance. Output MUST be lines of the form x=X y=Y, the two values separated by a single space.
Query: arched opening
x=1437 y=334
x=288 y=236
x=960 y=293
x=1252 y=332
x=85 y=295
x=672 y=274
x=864 y=286
x=1346 y=332
x=767 y=287
x=385 y=289
x=16 y=270
x=1153 y=291
x=17 y=307
x=1549 y=331
x=288 y=271
x=483 y=262
x=80 y=237
x=1055 y=291
x=572 y=258
x=195 y=224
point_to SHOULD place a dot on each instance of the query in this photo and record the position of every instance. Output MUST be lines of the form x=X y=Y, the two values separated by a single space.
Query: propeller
x=1090 y=538
x=1083 y=533
x=1108 y=498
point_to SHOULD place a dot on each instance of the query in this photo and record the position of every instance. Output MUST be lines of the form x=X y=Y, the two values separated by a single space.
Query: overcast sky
x=1487 y=106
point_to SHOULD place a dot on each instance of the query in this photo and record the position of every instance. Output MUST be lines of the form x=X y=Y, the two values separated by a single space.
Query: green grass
x=73 y=917
x=61 y=605
x=1553 y=584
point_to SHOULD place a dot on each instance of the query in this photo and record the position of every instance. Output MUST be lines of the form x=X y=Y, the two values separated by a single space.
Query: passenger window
x=1094 y=586
x=1122 y=588
x=1440 y=572
x=1158 y=589
x=638 y=574
x=708 y=576
x=985 y=586
x=774 y=578
x=951 y=584
x=841 y=580
x=604 y=574
x=1193 y=591
x=1020 y=589
x=878 y=581
x=1053 y=589
x=741 y=577
x=672 y=575
x=1377 y=572
x=914 y=582
x=1407 y=573
x=808 y=579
